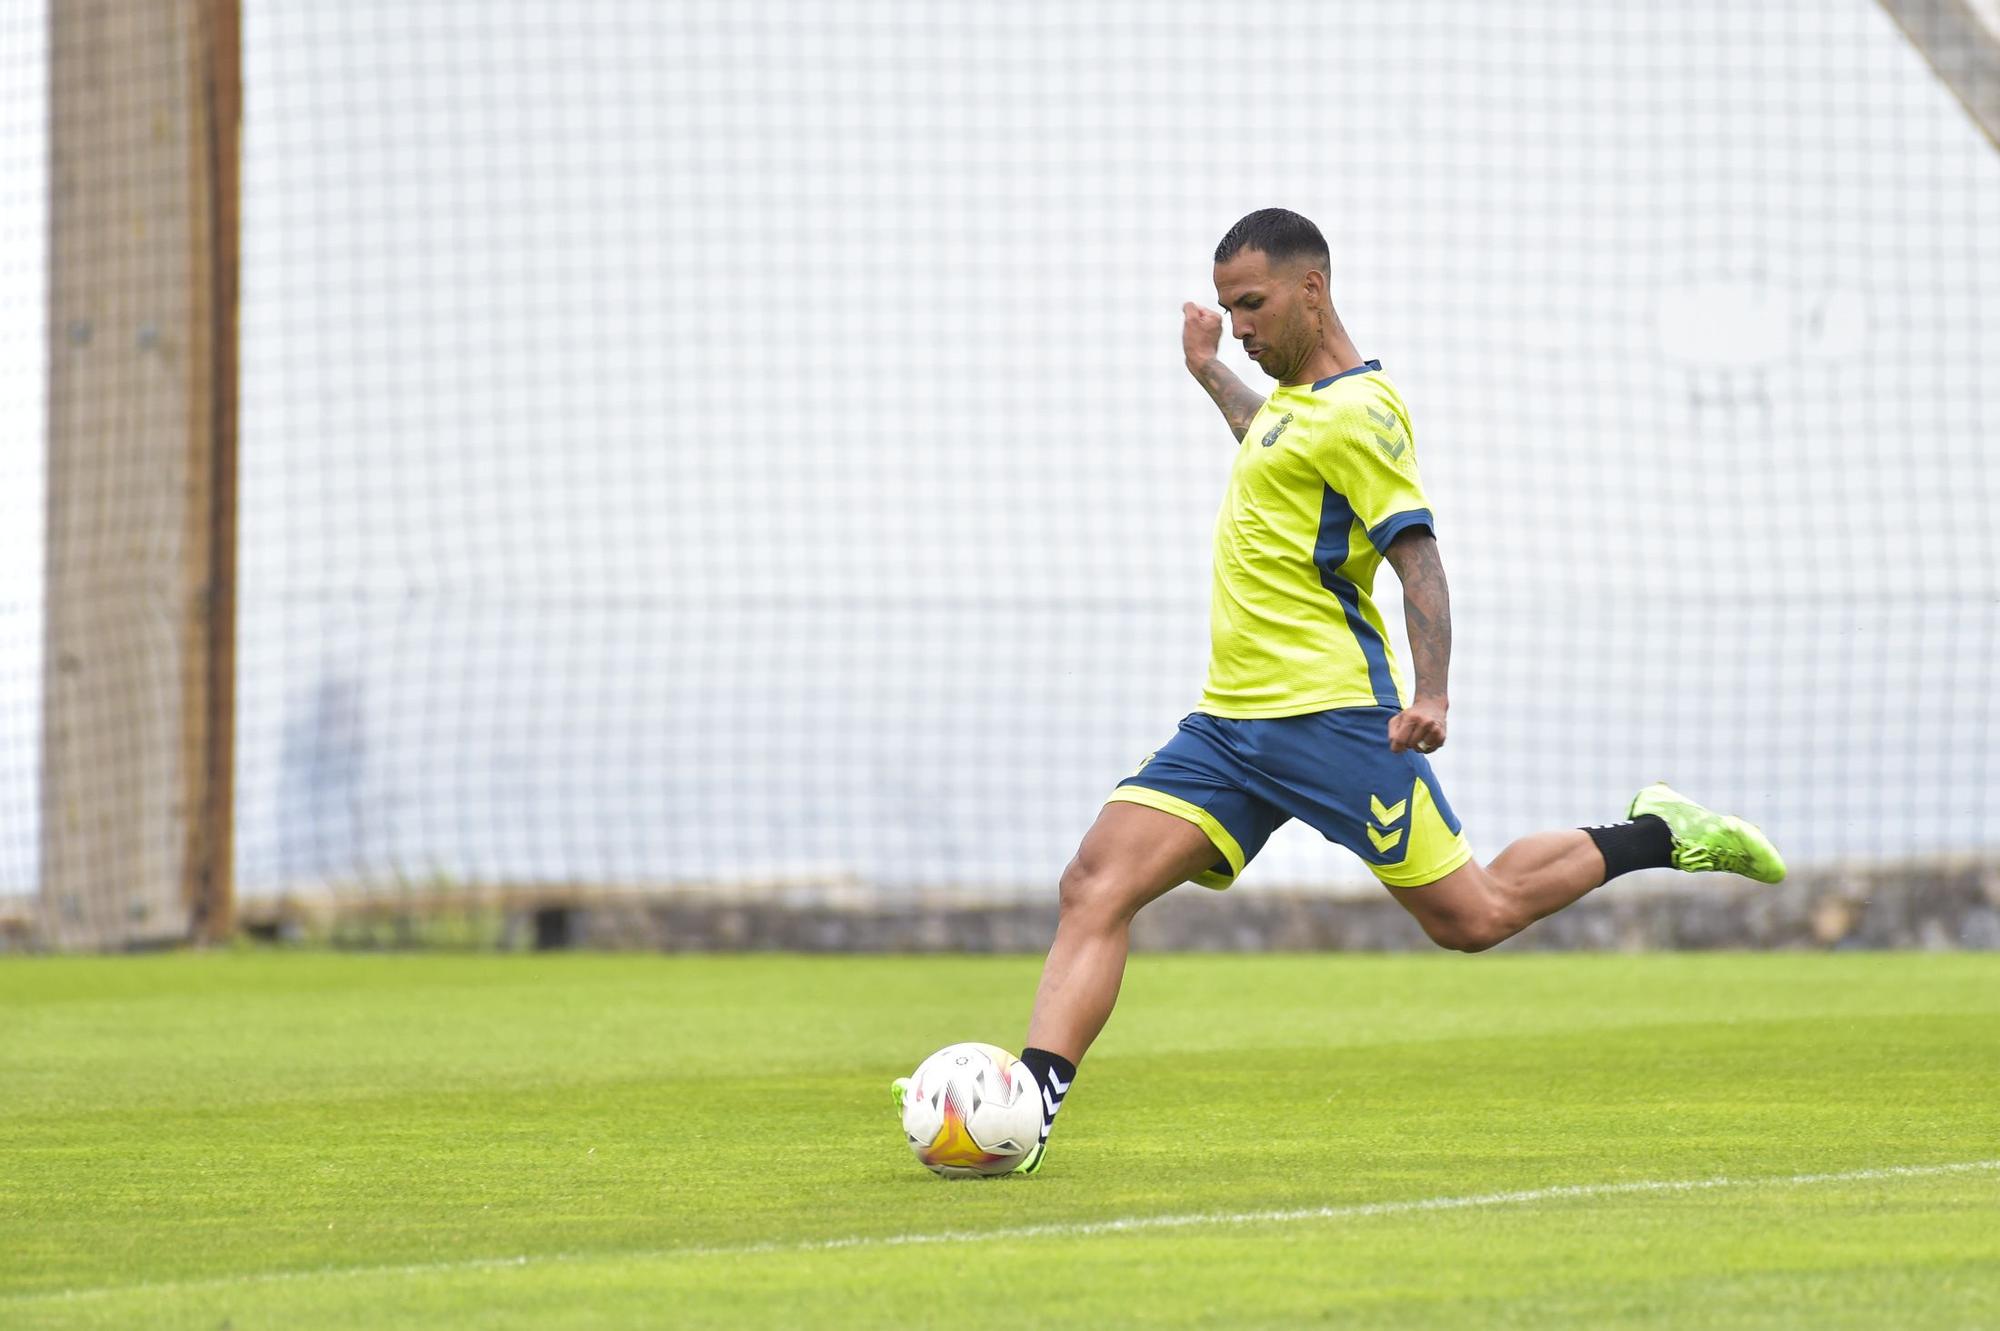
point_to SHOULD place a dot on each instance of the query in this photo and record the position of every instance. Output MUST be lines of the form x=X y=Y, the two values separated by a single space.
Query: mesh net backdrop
x=23 y=379
x=725 y=442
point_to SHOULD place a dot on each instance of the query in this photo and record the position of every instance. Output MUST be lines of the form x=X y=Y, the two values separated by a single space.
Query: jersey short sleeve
x=1370 y=456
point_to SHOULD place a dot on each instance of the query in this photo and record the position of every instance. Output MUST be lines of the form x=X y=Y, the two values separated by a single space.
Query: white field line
x=1072 y=1229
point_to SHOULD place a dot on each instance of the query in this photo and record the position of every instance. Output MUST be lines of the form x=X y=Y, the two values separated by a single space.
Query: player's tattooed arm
x=1427 y=619
x=1201 y=334
x=1238 y=401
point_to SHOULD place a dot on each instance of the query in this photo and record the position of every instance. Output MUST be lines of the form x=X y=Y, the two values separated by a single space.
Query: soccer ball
x=972 y=1110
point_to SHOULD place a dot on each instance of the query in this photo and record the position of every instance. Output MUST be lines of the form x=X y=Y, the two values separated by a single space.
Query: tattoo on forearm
x=1238 y=401
x=1426 y=609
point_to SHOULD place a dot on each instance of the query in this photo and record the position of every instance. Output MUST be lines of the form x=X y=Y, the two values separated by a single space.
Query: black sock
x=1053 y=1074
x=1644 y=843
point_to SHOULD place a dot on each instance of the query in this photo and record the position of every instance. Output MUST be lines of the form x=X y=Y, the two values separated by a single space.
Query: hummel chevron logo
x=1385 y=844
x=1388 y=442
x=1277 y=430
x=1389 y=837
x=1062 y=1087
x=1054 y=1104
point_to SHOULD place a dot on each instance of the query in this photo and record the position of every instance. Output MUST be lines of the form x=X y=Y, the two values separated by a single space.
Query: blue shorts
x=1239 y=781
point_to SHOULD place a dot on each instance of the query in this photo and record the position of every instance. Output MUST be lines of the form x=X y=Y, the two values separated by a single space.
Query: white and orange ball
x=972 y=1110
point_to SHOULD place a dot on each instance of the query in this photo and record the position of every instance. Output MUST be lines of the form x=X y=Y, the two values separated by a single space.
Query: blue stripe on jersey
x=1389 y=528
x=1363 y=368
x=1336 y=524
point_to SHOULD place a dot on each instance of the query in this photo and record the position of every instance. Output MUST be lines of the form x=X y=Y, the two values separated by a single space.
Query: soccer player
x=1304 y=715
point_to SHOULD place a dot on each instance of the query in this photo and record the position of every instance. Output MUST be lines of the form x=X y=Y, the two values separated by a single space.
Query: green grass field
x=309 y=1140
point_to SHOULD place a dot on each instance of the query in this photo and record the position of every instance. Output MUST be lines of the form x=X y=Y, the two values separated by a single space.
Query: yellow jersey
x=1324 y=480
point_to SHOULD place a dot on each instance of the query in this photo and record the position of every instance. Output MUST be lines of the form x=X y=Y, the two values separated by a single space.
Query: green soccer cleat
x=899 y=1088
x=1706 y=841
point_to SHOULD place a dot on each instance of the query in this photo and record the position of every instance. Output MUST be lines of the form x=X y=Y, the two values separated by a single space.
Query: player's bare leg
x=1476 y=906
x=1131 y=855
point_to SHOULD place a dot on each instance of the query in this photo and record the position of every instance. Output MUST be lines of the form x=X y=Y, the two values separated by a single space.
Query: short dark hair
x=1280 y=233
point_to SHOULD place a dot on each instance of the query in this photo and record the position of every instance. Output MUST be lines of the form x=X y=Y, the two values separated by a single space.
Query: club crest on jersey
x=1278 y=429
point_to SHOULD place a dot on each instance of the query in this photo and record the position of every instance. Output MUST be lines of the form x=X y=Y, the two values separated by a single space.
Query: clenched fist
x=1201 y=333
x=1419 y=726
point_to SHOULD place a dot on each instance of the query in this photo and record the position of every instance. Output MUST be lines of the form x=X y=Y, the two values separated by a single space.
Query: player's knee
x=1466 y=938
x=1090 y=892
x=1471 y=929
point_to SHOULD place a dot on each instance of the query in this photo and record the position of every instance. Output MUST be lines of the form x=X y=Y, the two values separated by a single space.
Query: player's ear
x=1315 y=293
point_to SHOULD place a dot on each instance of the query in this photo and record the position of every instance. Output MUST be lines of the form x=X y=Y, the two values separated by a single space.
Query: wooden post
x=1961 y=40
x=143 y=98
x=210 y=881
